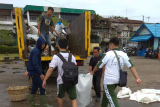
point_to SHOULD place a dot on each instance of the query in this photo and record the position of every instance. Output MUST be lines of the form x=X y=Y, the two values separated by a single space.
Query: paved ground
x=12 y=74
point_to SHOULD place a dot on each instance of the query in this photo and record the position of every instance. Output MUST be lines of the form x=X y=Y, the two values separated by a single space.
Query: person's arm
x=39 y=25
x=103 y=71
x=90 y=69
x=52 y=65
x=35 y=63
x=134 y=72
x=49 y=72
x=67 y=26
x=55 y=31
x=101 y=63
x=130 y=65
x=90 y=65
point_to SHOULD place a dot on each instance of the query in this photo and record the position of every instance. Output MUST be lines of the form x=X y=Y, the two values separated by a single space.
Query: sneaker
x=97 y=99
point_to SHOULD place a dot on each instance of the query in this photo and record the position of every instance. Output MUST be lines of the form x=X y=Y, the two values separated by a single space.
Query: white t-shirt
x=110 y=62
x=56 y=61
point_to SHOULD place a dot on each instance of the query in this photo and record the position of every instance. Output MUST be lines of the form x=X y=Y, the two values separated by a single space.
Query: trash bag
x=84 y=90
x=124 y=93
x=32 y=30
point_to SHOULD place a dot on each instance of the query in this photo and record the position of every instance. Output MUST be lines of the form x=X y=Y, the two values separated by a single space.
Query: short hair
x=115 y=41
x=63 y=43
x=96 y=48
x=50 y=8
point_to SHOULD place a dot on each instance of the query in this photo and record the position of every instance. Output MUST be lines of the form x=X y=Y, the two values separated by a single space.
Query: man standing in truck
x=59 y=27
x=45 y=22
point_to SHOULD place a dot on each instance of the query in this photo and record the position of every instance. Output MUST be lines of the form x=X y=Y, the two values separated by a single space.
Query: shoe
x=43 y=101
x=97 y=99
x=31 y=99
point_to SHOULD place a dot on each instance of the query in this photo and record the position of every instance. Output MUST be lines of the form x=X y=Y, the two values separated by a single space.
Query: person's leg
x=71 y=91
x=94 y=85
x=42 y=96
x=61 y=93
x=57 y=39
x=105 y=101
x=32 y=95
x=111 y=95
x=60 y=102
x=48 y=40
x=43 y=35
x=98 y=87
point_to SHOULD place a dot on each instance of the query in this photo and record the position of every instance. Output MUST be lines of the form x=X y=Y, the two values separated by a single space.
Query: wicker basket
x=17 y=93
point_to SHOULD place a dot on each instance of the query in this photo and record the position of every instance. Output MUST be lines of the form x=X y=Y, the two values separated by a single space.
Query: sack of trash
x=84 y=90
x=32 y=30
x=124 y=93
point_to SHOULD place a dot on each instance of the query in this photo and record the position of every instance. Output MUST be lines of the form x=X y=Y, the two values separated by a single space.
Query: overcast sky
x=135 y=8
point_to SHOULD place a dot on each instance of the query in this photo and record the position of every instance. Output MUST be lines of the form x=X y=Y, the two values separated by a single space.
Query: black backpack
x=70 y=75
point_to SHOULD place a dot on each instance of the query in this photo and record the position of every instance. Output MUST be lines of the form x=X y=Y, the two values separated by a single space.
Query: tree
x=6 y=38
x=131 y=37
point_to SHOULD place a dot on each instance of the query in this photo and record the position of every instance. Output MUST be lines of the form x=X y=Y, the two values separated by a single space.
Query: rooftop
x=56 y=9
x=6 y=6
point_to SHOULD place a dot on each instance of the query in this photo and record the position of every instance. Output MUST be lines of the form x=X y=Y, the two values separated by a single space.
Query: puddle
x=3 y=67
x=15 y=72
x=2 y=71
x=15 y=68
x=2 y=63
x=10 y=62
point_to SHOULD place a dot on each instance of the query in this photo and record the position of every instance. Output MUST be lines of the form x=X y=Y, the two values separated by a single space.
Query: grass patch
x=15 y=72
x=3 y=67
x=9 y=55
x=15 y=68
x=2 y=71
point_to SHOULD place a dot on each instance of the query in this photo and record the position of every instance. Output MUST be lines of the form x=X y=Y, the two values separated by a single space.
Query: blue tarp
x=141 y=38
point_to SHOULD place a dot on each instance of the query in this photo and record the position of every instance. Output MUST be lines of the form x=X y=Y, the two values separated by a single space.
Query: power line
x=54 y=3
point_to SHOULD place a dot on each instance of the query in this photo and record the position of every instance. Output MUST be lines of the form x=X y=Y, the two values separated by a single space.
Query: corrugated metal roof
x=154 y=29
x=33 y=8
x=75 y=11
x=141 y=38
x=6 y=6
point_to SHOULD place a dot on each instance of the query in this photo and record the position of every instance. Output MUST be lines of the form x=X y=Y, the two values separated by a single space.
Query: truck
x=78 y=39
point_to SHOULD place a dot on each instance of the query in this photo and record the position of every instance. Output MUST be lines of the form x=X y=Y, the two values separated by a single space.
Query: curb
x=9 y=58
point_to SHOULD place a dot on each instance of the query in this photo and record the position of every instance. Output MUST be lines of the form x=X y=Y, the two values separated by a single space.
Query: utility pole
x=148 y=18
x=143 y=17
x=126 y=11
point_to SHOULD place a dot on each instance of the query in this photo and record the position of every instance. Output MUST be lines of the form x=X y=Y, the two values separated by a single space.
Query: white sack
x=32 y=36
x=124 y=93
x=32 y=30
x=84 y=90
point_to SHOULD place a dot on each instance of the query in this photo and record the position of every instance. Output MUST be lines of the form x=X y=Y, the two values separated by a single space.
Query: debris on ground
x=144 y=95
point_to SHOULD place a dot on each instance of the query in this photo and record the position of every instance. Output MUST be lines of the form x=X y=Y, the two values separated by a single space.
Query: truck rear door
x=79 y=35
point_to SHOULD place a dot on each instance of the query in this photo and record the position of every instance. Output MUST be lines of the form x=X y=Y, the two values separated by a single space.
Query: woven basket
x=17 y=93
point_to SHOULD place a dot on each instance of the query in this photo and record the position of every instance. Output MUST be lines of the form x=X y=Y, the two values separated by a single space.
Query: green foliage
x=56 y=20
x=6 y=38
x=119 y=17
x=131 y=36
x=98 y=18
x=8 y=49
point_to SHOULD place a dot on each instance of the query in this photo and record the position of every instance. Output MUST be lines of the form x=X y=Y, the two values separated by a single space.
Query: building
x=6 y=18
x=33 y=12
x=148 y=35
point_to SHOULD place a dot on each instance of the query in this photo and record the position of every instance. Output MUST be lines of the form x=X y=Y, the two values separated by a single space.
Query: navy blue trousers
x=37 y=83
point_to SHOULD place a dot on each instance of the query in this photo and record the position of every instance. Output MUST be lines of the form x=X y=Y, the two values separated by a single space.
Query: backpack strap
x=61 y=57
x=69 y=57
